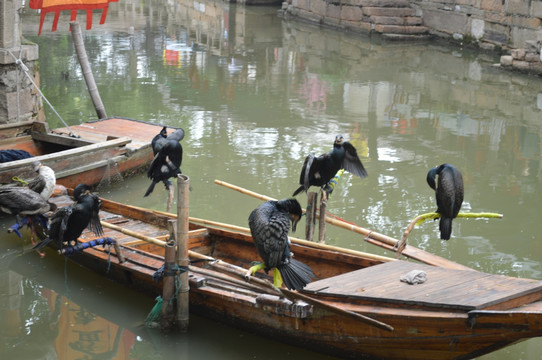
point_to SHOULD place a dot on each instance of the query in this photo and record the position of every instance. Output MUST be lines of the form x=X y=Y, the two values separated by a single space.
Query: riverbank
x=510 y=27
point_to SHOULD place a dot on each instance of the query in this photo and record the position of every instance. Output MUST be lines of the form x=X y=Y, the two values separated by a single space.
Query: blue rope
x=72 y=249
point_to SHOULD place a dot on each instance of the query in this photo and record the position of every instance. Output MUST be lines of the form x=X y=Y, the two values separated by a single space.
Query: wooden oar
x=239 y=271
x=371 y=236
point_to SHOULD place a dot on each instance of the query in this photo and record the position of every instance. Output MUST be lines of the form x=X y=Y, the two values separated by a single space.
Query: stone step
x=406 y=37
x=381 y=3
x=400 y=29
x=387 y=11
x=396 y=20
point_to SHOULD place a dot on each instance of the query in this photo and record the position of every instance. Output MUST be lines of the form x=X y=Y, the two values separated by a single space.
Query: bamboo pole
x=311 y=215
x=322 y=218
x=167 y=320
x=87 y=72
x=183 y=189
x=418 y=220
x=336 y=222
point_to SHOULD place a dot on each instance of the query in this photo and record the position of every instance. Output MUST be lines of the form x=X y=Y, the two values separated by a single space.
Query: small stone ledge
x=527 y=60
x=30 y=52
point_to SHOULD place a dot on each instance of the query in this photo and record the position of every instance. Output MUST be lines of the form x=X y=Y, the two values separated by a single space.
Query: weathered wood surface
x=444 y=288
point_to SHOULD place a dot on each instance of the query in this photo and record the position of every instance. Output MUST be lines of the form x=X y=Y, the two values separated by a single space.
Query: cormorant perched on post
x=68 y=223
x=317 y=171
x=269 y=224
x=449 y=195
x=168 y=156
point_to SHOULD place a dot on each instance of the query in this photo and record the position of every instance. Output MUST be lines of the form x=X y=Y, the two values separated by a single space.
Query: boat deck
x=102 y=130
x=444 y=288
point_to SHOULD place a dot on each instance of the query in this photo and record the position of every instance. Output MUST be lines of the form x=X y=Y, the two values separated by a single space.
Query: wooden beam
x=66 y=153
x=60 y=139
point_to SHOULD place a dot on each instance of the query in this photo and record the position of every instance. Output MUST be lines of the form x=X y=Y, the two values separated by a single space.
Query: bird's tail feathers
x=445 y=226
x=150 y=189
x=299 y=189
x=295 y=274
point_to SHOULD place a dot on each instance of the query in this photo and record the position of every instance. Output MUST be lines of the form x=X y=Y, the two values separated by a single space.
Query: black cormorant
x=318 y=171
x=269 y=224
x=68 y=222
x=449 y=195
x=168 y=156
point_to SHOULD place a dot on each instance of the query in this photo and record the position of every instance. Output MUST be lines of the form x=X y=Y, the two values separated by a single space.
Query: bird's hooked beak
x=339 y=139
x=295 y=219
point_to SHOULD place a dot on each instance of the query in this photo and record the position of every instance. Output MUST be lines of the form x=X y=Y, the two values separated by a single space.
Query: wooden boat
x=455 y=314
x=89 y=152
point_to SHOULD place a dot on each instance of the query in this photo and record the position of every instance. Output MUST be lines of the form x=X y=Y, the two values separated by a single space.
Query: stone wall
x=512 y=26
x=19 y=100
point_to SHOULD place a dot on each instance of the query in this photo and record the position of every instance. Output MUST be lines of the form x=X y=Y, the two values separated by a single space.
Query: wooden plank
x=60 y=139
x=66 y=154
x=15 y=129
x=446 y=288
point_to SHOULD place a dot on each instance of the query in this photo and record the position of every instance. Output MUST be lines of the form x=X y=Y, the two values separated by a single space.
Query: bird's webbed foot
x=252 y=270
x=277 y=279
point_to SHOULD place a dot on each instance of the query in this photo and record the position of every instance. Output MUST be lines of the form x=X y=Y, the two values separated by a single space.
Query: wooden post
x=183 y=188
x=311 y=215
x=167 y=320
x=118 y=251
x=322 y=218
x=87 y=72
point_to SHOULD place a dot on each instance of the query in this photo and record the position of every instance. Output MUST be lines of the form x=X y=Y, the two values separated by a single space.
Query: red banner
x=56 y=6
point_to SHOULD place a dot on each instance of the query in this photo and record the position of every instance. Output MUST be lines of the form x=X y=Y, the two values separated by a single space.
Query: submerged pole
x=167 y=319
x=85 y=67
x=183 y=188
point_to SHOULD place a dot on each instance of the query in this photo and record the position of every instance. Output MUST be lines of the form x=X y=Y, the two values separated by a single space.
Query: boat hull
x=456 y=329
x=102 y=151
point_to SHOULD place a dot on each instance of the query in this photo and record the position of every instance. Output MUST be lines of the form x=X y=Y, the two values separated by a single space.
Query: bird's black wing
x=59 y=223
x=18 y=199
x=95 y=225
x=177 y=135
x=304 y=176
x=351 y=162
x=37 y=184
x=276 y=239
x=269 y=229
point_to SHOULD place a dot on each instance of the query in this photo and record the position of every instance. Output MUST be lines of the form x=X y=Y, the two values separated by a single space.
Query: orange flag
x=57 y=6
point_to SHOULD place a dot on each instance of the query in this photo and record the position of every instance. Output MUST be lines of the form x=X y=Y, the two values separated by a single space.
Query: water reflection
x=38 y=322
x=256 y=94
